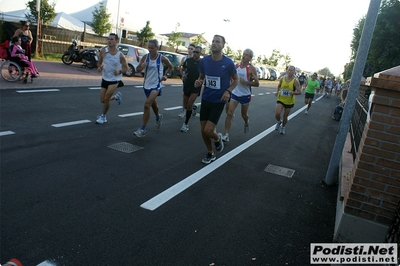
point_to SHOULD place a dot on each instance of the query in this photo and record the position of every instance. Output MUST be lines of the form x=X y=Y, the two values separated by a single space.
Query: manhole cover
x=125 y=147
x=278 y=170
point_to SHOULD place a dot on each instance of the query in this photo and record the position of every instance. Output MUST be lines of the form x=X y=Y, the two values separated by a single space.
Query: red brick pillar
x=373 y=191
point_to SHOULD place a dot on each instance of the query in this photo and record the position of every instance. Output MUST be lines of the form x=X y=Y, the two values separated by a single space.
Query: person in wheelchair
x=18 y=56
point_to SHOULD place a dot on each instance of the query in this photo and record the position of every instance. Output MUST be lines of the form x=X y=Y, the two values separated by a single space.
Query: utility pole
x=37 y=28
x=116 y=27
x=351 y=98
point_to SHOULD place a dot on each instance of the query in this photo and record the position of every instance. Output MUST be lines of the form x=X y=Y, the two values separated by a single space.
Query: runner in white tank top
x=242 y=89
x=112 y=63
x=242 y=92
x=153 y=76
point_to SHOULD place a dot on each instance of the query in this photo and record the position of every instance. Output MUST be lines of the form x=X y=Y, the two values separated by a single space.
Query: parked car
x=175 y=60
x=259 y=72
x=274 y=74
x=265 y=73
x=133 y=56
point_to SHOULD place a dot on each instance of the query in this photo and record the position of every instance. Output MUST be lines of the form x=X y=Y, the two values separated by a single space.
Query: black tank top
x=24 y=38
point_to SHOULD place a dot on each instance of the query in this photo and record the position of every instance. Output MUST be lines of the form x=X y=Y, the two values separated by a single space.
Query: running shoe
x=306 y=112
x=225 y=137
x=101 y=119
x=219 y=145
x=184 y=128
x=182 y=114
x=246 y=128
x=209 y=158
x=159 y=121
x=140 y=133
x=282 y=131
x=118 y=97
x=194 y=110
x=278 y=125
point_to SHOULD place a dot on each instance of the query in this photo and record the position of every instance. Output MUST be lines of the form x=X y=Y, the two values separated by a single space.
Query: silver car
x=265 y=73
x=133 y=56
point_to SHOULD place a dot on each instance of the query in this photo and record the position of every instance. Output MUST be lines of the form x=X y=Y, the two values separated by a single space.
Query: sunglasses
x=196 y=52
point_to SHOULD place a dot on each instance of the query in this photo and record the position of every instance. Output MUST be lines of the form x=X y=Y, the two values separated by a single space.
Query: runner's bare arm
x=254 y=82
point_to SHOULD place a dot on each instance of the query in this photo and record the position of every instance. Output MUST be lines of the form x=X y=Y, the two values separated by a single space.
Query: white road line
x=177 y=85
x=27 y=91
x=172 y=108
x=261 y=93
x=138 y=86
x=179 y=187
x=5 y=133
x=71 y=123
x=131 y=114
x=95 y=88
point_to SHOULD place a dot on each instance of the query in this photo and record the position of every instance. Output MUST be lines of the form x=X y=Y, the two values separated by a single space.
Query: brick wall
x=374 y=187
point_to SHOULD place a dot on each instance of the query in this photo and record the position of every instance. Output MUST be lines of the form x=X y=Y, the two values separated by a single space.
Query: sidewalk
x=55 y=74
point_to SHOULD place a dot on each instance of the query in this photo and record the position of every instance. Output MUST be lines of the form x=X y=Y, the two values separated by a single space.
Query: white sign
x=371 y=253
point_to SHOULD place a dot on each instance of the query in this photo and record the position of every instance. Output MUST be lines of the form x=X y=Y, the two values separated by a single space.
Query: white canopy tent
x=14 y=16
x=65 y=21
x=62 y=20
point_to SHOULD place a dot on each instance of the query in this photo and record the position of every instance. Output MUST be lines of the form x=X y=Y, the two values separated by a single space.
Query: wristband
x=230 y=92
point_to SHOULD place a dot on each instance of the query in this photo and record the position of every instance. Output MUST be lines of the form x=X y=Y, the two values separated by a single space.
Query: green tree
x=384 y=52
x=47 y=11
x=286 y=60
x=325 y=72
x=227 y=51
x=101 y=20
x=173 y=38
x=145 y=34
x=348 y=68
x=259 y=59
x=198 y=40
x=274 y=58
x=238 y=55
x=265 y=60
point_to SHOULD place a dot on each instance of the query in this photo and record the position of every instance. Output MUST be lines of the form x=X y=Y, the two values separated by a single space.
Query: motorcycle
x=86 y=56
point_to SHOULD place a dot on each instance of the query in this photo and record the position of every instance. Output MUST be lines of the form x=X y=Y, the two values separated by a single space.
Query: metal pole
x=351 y=98
x=116 y=28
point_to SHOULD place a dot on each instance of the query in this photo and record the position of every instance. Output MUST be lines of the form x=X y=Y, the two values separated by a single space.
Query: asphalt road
x=68 y=198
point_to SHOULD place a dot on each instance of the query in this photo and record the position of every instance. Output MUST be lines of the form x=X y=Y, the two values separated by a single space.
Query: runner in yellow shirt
x=288 y=87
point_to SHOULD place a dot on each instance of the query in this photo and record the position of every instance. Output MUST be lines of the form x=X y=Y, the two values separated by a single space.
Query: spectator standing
x=153 y=64
x=26 y=38
x=217 y=71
